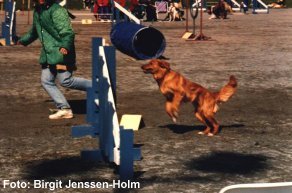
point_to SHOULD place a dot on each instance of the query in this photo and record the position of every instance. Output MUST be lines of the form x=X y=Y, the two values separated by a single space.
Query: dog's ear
x=164 y=64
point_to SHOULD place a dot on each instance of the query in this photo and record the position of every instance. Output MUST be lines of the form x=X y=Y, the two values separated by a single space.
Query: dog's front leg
x=172 y=106
x=171 y=111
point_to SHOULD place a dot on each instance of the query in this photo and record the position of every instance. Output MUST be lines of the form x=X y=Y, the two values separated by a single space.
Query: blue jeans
x=66 y=79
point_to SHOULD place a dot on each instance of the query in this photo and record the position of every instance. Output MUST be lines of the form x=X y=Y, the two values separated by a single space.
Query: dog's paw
x=174 y=119
x=208 y=134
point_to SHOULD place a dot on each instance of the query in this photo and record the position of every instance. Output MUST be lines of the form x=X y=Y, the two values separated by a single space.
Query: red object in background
x=95 y=7
x=103 y=3
x=133 y=4
x=100 y=3
x=121 y=2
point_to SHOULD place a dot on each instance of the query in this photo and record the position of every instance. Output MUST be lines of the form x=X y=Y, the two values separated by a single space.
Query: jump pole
x=115 y=141
x=235 y=5
x=187 y=34
x=200 y=36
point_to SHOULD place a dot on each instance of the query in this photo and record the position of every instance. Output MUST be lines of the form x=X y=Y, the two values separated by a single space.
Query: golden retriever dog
x=220 y=10
x=278 y=4
x=177 y=89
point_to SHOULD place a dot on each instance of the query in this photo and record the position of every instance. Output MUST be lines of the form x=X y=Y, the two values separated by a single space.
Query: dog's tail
x=227 y=91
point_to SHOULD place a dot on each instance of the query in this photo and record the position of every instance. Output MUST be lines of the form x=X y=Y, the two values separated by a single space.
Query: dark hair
x=39 y=7
x=48 y=2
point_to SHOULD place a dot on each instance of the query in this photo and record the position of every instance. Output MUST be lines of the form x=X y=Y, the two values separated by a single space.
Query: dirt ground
x=254 y=145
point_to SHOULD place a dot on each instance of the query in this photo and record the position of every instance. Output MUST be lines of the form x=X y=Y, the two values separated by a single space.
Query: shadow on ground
x=229 y=163
x=78 y=106
x=181 y=129
x=52 y=169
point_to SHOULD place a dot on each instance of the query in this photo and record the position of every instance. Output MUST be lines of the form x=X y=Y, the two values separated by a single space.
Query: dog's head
x=156 y=66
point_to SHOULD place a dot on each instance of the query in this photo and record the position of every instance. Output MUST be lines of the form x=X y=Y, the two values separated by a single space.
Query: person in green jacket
x=52 y=26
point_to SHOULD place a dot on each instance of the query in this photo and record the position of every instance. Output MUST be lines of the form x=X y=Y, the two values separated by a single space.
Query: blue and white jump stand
x=8 y=34
x=234 y=5
x=199 y=3
x=258 y=6
x=115 y=142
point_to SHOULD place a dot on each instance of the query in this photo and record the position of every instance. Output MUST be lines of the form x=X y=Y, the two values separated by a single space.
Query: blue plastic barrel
x=137 y=40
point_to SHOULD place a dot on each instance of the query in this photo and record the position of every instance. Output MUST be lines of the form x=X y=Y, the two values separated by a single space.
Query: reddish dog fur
x=178 y=89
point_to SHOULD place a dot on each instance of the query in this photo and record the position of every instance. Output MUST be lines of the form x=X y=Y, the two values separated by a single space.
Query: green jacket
x=52 y=26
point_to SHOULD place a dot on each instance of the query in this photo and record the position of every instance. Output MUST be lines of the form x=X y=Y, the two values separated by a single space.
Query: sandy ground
x=254 y=144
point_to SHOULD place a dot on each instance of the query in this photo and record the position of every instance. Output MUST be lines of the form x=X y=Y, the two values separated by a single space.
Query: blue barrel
x=137 y=40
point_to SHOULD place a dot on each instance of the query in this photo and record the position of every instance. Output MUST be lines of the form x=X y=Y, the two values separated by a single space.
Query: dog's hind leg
x=207 y=129
x=206 y=116
x=212 y=123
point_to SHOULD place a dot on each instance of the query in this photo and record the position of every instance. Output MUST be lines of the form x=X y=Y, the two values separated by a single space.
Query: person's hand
x=64 y=51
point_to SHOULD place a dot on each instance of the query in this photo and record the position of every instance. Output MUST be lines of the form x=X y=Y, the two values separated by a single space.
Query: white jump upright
x=115 y=142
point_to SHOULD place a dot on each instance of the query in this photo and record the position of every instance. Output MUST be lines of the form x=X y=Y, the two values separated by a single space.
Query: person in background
x=95 y=10
x=278 y=4
x=137 y=9
x=87 y=4
x=151 y=14
x=103 y=8
x=117 y=14
x=52 y=26
x=218 y=11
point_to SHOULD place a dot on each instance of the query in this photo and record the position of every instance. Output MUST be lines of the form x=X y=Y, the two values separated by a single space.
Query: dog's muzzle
x=146 y=70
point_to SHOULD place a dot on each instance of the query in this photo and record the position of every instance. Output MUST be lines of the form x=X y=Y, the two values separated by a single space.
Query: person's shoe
x=62 y=114
x=213 y=16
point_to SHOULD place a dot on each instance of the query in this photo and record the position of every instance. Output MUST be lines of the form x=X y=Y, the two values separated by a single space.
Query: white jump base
x=281 y=187
x=261 y=11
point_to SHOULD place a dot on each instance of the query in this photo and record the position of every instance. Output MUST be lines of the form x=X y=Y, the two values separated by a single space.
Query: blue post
x=92 y=115
x=127 y=155
x=254 y=6
x=8 y=26
x=92 y=109
x=246 y=3
x=229 y=2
